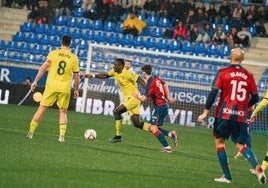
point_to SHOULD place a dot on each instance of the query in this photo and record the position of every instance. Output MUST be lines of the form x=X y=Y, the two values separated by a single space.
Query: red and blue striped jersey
x=155 y=90
x=236 y=85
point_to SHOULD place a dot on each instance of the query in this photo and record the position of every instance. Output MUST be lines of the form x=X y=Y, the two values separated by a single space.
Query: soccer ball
x=90 y=134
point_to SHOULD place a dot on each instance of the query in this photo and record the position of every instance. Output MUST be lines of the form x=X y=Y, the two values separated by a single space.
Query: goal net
x=189 y=78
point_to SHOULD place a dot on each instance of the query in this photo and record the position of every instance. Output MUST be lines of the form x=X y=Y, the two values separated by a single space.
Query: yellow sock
x=63 y=128
x=118 y=127
x=146 y=126
x=33 y=126
x=264 y=164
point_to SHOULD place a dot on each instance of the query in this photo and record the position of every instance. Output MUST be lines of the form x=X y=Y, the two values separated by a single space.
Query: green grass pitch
x=135 y=162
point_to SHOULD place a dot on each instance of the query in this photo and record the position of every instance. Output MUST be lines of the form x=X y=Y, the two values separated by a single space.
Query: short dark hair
x=66 y=40
x=121 y=61
x=147 y=69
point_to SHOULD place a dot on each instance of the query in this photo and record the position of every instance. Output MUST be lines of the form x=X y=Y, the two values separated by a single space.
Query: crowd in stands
x=215 y=22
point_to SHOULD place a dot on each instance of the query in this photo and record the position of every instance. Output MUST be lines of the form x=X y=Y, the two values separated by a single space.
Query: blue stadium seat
x=32 y=38
x=141 y=17
x=30 y=59
x=44 y=40
x=163 y=22
x=150 y=43
x=89 y=35
x=56 y=41
x=2 y=45
x=38 y=49
x=41 y=59
x=118 y=28
x=77 y=33
x=78 y=12
x=200 y=49
x=101 y=37
x=157 y=32
x=186 y=65
x=72 y=22
x=28 y=27
x=25 y=47
x=82 y=44
x=252 y=31
x=181 y=76
x=212 y=50
x=97 y=25
x=174 y=46
x=60 y=21
x=114 y=39
x=47 y=49
x=205 y=80
x=52 y=30
x=126 y=40
x=212 y=68
x=193 y=78
x=151 y=20
x=18 y=57
x=65 y=31
x=168 y=75
x=20 y=37
x=40 y=28
x=226 y=28
x=109 y=26
x=146 y=31
x=225 y=51
x=12 y=46
x=187 y=47
x=83 y=55
x=163 y=45
x=77 y=3
x=138 y=41
x=199 y=67
x=84 y=23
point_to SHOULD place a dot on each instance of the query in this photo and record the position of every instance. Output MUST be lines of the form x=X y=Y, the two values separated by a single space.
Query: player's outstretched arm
x=101 y=75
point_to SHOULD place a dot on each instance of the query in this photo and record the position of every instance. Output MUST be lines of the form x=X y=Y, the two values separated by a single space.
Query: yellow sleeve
x=262 y=104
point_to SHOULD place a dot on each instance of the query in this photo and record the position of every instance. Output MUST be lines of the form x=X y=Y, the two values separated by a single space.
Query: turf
x=135 y=162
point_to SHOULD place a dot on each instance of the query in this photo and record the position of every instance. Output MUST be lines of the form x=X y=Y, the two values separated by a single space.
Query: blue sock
x=222 y=156
x=165 y=132
x=249 y=155
x=161 y=138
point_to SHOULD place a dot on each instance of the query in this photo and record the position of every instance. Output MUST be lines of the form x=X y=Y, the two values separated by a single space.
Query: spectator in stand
x=244 y=37
x=224 y=13
x=175 y=11
x=188 y=5
x=103 y=10
x=164 y=8
x=195 y=35
x=201 y=5
x=29 y=3
x=237 y=22
x=65 y=8
x=200 y=16
x=27 y=81
x=238 y=12
x=150 y=7
x=251 y=15
x=138 y=6
x=219 y=36
x=232 y=37
x=208 y=33
x=46 y=13
x=212 y=12
x=262 y=21
x=190 y=19
x=88 y=4
x=127 y=5
x=115 y=11
x=180 y=32
x=133 y=25
x=35 y=14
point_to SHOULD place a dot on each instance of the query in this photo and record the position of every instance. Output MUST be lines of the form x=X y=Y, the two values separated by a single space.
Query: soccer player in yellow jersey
x=259 y=108
x=62 y=66
x=126 y=79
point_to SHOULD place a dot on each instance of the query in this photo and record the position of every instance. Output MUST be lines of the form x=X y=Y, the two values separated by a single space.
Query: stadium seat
x=114 y=39
x=138 y=41
x=200 y=49
x=20 y=36
x=252 y=31
x=199 y=67
x=77 y=3
x=56 y=41
x=226 y=28
x=82 y=44
x=168 y=75
x=96 y=25
x=83 y=55
x=163 y=22
x=89 y=35
x=41 y=59
x=141 y=17
x=44 y=40
x=18 y=57
x=77 y=33
x=109 y=26
x=163 y=45
x=40 y=28
x=151 y=20
x=205 y=80
x=2 y=45
x=186 y=65
x=193 y=78
x=47 y=49
x=84 y=23
x=30 y=59
x=150 y=43
x=212 y=68
x=181 y=77
x=12 y=46
x=174 y=45
x=25 y=47
x=52 y=30
x=78 y=12
x=60 y=21
x=212 y=50
x=101 y=37
x=65 y=31
x=225 y=51
x=126 y=40
x=187 y=47
x=4 y=55
x=72 y=22
x=157 y=32
x=37 y=49
x=119 y=28
x=27 y=27
x=146 y=31
x=32 y=38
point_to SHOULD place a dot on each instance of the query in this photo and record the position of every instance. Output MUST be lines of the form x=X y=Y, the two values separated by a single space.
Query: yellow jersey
x=126 y=80
x=63 y=63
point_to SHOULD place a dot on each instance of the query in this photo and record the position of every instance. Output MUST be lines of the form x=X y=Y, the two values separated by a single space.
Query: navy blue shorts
x=226 y=128
x=159 y=115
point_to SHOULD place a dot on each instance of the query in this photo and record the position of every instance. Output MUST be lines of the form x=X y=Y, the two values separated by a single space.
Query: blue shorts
x=159 y=115
x=226 y=128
